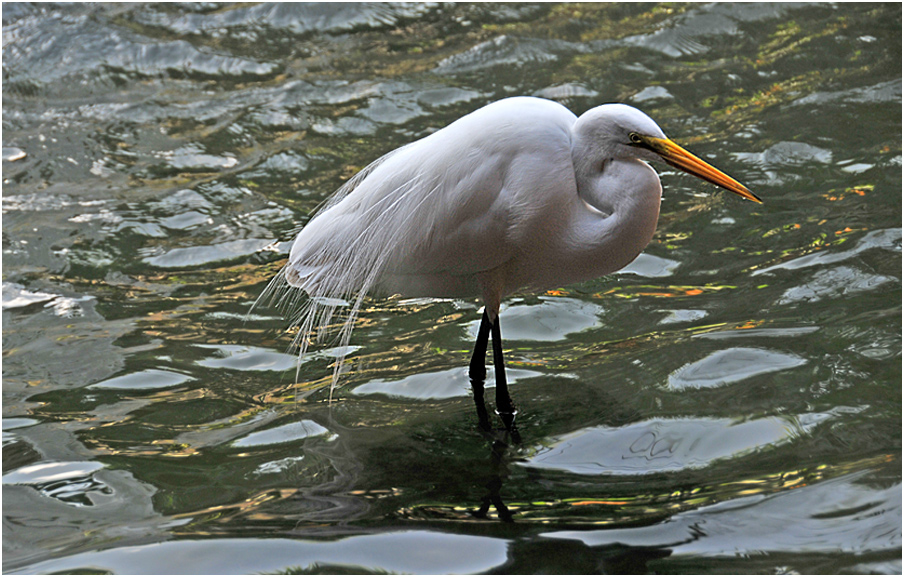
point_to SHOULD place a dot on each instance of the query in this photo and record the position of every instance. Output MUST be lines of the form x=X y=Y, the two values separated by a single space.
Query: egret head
x=609 y=128
x=620 y=131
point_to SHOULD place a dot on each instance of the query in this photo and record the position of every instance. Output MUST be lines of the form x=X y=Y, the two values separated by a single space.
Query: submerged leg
x=483 y=418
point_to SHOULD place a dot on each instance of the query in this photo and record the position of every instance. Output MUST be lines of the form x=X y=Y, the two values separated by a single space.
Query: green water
x=730 y=402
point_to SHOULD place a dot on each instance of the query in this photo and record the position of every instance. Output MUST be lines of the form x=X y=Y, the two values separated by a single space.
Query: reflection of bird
x=520 y=194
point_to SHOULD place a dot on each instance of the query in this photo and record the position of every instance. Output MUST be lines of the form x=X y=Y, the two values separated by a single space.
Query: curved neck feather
x=618 y=215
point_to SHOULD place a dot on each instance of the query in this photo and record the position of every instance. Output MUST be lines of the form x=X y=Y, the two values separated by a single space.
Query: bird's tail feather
x=341 y=275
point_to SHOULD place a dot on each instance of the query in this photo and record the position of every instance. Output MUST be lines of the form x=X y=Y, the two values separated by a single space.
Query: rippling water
x=731 y=402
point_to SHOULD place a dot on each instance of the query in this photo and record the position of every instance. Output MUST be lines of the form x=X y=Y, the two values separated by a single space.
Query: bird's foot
x=508 y=419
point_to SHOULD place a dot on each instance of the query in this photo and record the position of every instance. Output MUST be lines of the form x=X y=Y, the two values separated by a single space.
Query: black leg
x=478 y=370
x=483 y=418
x=504 y=405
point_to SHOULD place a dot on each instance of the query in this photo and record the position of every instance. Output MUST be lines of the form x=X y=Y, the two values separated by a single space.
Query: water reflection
x=499 y=456
x=287 y=433
x=887 y=239
x=748 y=523
x=657 y=446
x=732 y=365
x=446 y=384
x=375 y=553
x=243 y=358
x=550 y=319
x=144 y=380
x=71 y=483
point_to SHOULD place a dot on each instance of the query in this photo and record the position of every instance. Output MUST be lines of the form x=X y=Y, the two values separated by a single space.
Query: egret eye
x=635 y=138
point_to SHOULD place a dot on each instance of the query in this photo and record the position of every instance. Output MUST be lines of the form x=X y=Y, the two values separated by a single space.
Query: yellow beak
x=678 y=157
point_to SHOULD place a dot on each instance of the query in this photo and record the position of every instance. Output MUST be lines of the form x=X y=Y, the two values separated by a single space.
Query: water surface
x=730 y=402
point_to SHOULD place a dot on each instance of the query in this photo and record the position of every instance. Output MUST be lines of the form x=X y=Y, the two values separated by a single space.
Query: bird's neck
x=616 y=217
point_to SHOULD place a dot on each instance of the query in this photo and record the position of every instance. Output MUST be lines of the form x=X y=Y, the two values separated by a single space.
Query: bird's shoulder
x=517 y=116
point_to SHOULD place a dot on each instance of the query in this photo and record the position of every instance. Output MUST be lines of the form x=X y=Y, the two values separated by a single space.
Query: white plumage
x=518 y=195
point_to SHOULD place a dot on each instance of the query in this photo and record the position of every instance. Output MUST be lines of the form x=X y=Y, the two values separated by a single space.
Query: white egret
x=518 y=195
